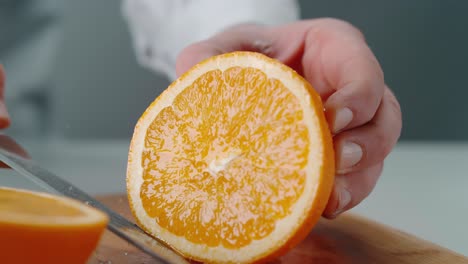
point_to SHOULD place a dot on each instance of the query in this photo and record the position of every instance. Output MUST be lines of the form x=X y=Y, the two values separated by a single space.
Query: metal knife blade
x=117 y=223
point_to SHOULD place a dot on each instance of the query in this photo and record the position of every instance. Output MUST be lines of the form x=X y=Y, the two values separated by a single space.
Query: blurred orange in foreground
x=43 y=228
x=234 y=162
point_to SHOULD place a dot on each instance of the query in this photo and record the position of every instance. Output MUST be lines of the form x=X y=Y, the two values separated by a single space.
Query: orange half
x=233 y=162
x=43 y=228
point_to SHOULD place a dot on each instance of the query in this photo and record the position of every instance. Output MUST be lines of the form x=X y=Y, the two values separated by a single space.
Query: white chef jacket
x=162 y=28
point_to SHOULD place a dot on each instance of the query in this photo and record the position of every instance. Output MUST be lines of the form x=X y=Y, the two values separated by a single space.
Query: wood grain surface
x=348 y=239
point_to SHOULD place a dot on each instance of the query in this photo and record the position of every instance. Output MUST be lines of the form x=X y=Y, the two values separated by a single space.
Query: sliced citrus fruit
x=43 y=228
x=233 y=162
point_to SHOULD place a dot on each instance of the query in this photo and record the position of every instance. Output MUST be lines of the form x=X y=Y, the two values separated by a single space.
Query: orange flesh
x=226 y=161
x=29 y=205
x=39 y=229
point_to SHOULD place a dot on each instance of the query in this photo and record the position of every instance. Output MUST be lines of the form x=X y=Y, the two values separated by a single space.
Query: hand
x=4 y=117
x=333 y=56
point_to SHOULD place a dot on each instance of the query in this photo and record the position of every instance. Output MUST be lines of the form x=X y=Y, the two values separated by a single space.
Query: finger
x=369 y=145
x=349 y=190
x=338 y=60
x=4 y=117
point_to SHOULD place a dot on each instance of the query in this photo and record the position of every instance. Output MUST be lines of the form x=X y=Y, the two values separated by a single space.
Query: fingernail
x=343 y=201
x=343 y=117
x=351 y=154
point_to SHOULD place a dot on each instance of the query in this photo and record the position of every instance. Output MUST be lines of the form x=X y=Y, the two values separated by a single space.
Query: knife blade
x=119 y=225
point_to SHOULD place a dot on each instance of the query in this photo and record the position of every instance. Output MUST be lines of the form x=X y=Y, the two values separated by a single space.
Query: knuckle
x=386 y=147
x=373 y=174
x=378 y=169
x=383 y=144
x=371 y=94
x=188 y=50
x=395 y=109
x=335 y=23
x=392 y=100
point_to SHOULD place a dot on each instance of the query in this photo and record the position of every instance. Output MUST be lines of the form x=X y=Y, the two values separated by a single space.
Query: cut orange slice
x=234 y=162
x=43 y=228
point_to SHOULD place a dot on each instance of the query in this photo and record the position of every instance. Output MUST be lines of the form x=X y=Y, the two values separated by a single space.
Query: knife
x=119 y=225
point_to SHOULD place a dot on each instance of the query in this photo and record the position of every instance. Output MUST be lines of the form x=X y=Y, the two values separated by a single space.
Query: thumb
x=242 y=37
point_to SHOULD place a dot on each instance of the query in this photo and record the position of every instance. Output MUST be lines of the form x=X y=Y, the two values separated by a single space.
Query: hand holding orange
x=333 y=56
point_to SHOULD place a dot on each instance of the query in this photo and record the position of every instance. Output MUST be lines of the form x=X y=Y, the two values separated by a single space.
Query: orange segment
x=233 y=162
x=43 y=228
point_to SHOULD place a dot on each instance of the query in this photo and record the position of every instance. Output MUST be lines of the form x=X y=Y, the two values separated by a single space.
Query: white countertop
x=423 y=190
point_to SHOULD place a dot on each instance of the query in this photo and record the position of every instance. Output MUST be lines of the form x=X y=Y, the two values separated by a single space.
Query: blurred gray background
x=95 y=88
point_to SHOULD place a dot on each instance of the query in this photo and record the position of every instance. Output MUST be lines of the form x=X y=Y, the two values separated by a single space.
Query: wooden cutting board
x=348 y=239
